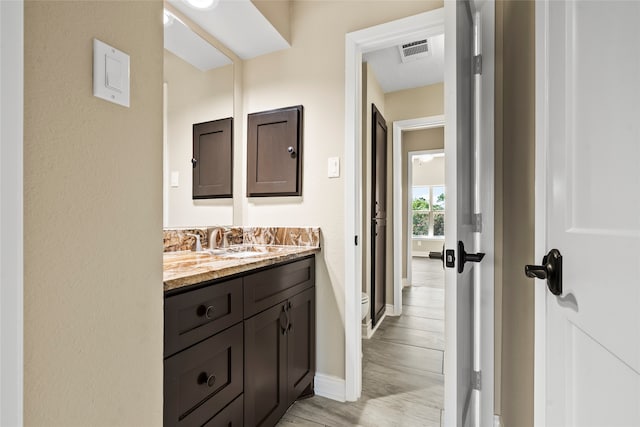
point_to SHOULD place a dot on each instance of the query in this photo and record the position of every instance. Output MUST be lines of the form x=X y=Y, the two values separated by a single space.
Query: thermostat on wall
x=110 y=73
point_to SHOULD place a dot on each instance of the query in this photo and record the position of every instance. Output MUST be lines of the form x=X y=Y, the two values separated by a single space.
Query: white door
x=588 y=176
x=460 y=185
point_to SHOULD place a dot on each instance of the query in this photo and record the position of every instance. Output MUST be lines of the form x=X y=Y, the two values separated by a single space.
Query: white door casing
x=587 y=357
x=356 y=43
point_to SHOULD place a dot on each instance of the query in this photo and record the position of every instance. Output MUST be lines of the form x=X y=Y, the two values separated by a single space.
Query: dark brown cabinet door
x=379 y=214
x=213 y=159
x=274 y=152
x=301 y=339
x=265 y=369
x=201 y=380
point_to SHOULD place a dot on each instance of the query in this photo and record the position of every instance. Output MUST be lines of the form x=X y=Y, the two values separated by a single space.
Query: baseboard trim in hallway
x=330 y=387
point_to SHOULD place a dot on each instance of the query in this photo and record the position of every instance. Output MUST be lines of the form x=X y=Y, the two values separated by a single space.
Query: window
x=427 y=207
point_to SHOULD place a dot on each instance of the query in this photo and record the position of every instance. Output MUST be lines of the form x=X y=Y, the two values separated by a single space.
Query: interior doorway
x=384 y=35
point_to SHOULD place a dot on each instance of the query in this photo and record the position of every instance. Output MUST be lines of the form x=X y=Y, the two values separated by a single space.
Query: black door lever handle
x=464 y=257
x=550 y=270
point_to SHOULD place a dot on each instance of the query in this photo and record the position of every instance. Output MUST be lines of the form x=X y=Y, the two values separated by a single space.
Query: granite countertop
x=186 y=268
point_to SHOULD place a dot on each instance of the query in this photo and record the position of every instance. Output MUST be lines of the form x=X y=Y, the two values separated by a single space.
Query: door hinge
x=477 y=222
x=477 y=64
x=476 y=380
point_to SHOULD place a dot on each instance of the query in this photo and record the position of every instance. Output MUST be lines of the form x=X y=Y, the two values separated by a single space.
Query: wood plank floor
x=403 y=382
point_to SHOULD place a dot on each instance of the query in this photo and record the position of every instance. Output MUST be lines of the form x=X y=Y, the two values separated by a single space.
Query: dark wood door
x=274 y=152
x=265 y=367
x=301 y=339
x=378 y=214
x=213 y=159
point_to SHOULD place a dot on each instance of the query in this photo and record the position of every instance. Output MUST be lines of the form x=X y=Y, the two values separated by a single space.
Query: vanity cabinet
x=240 y=351
x=279 y=340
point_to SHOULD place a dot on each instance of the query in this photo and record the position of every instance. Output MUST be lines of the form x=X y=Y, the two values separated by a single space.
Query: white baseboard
x=390 y=310
x=367 y=332
x=331 y=387
x=497 y=421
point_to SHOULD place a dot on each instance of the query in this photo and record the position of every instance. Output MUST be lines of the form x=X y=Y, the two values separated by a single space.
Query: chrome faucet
x=198 y=243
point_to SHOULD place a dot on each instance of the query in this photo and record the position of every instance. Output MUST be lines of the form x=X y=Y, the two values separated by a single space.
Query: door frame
x=377 y=37
x=357 y=43
x=11 y=203
x=540 y=223
x=398 y=127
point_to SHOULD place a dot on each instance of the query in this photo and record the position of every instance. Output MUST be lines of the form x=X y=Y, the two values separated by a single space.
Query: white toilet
x=365 y=305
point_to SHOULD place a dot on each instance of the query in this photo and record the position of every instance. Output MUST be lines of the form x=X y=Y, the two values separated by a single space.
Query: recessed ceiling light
x=202 y=4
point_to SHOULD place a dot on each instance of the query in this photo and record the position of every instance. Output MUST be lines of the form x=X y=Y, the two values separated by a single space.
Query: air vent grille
x=414 y=50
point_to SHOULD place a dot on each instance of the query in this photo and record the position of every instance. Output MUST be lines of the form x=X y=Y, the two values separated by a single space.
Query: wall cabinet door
x=301 y=342
x=265 y=385
x=213 y=159
x=274 y=152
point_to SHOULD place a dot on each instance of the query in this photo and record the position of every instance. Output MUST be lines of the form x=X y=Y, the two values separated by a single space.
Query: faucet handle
x=198 y=243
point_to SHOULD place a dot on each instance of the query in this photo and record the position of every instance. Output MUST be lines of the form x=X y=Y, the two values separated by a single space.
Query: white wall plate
x=110 y=73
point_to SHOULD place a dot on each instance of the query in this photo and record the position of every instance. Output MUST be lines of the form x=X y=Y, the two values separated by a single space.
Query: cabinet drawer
x=269 y=287
x=196 y=315
x=203 y=379
x=231 y=416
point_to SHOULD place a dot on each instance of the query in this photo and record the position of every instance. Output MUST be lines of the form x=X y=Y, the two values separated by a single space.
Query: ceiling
x=237 y=24
x=190 y=47
x=393 y=75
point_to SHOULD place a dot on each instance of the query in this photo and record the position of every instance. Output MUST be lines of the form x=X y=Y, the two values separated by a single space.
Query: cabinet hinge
x=476 y=380
x=477 y=223
x=477 y=64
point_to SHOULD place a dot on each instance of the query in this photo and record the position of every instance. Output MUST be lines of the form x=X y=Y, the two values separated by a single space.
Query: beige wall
x=515 y=122
x=311 y=73
x=425 y=101
x=193 y=96
x=371 y=94
x=92 y=219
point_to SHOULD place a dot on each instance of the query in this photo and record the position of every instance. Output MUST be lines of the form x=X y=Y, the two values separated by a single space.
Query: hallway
x=403 y=382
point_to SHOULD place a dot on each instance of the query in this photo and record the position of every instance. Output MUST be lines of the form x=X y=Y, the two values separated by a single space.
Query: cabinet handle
x=284 y=320
x=207 y=379
x=206 y=311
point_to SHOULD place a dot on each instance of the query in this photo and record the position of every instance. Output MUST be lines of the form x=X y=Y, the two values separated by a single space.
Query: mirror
x=198 y=88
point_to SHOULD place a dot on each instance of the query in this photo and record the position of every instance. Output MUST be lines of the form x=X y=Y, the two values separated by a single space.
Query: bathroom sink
x=245 y=254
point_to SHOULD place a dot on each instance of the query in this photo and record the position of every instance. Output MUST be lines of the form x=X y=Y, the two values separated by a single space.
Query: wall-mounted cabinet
x=274 y=153
x=213 y=159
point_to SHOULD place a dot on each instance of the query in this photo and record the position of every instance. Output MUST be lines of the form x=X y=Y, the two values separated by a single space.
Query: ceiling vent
x=414 y=50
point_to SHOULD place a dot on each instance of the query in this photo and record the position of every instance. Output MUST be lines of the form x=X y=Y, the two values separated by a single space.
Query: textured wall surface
x=93 y=293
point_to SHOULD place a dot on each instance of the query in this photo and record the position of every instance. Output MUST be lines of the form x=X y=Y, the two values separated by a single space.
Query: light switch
x=113 y=77
x=175 y=179
x=110 y=73
x=333 y=167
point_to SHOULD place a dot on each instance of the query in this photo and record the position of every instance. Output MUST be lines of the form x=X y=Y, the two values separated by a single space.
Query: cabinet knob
x=194 y=162
x=207 y=379
x=291 y=151
x=206 y=311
